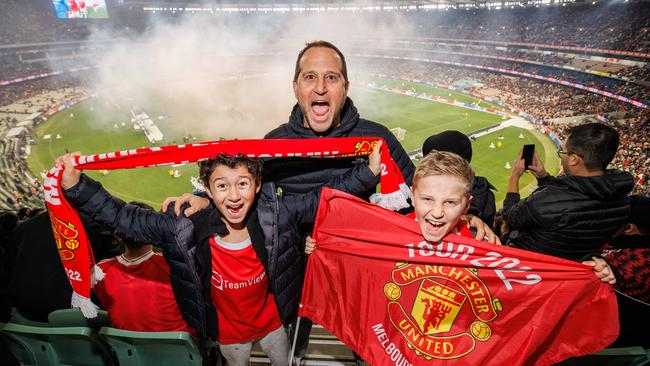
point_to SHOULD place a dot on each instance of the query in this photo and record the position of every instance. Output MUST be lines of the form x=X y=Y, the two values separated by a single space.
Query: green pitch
x=80 y=131
x=421 y=118
x=491 y=162
x=95 y=126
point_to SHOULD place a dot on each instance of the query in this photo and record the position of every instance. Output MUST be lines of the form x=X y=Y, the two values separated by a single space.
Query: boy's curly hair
x=206 y=167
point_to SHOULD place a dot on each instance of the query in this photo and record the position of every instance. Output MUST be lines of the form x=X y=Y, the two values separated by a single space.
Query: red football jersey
x=138 y=295
x=240 y=293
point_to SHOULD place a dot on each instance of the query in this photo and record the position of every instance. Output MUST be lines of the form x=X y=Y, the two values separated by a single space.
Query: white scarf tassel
x=88 y=309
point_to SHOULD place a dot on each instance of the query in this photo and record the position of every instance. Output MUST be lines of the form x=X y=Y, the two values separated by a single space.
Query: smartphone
x=527 y=155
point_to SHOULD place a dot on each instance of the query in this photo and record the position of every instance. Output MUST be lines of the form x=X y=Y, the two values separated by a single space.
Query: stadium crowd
x=28 y=22
x=627 y=89
x=35 y=22
x=623 y=27
x=546 y=102
x=578 y=60
x=634 y=154
x=18 y=189
x=22 y=92
x=627 y=29
x=602 y=25
x=520 y=93
x=13 y=68
x=200 y=301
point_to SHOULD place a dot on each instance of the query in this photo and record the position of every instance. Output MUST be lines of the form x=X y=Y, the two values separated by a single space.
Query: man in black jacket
x=320 y=84
x=574 y=215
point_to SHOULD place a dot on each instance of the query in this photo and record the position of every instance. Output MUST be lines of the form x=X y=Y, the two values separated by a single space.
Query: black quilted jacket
x=569 y=217
x=300 y=175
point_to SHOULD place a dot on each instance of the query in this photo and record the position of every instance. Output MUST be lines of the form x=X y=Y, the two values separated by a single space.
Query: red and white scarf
x=72 y=241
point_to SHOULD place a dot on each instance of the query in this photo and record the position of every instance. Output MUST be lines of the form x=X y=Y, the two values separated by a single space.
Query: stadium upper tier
x=604 y=75
x=611 y=26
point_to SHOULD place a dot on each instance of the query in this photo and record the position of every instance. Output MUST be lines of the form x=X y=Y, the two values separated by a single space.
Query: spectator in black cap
x=628 y=255
x=483 y=201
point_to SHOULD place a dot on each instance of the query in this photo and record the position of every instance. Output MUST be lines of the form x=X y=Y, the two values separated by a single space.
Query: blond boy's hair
x=445 y=163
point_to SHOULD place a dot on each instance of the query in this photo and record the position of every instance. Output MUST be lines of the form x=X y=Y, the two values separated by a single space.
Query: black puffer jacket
x=569 y=217
x=483 y=202
x=301 y=175
x=272 y=225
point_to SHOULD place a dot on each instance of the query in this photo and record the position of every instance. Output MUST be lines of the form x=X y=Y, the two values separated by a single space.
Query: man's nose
x=321 y=86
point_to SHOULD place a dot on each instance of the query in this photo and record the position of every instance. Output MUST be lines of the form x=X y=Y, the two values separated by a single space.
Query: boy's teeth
x=436 y=224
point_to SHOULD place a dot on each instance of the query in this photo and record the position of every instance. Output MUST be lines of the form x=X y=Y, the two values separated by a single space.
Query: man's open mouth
x=320 y=107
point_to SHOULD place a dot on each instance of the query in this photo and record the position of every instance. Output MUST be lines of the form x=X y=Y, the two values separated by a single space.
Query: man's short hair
x=344 y=68
x=444 y=163
x=206 y=167
x=596 y=143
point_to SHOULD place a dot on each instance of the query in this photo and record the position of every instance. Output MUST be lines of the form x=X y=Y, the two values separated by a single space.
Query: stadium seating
x=57 y=345
x=68 y=338
x=152 y=348
x=629 y=356
x=470 y=36
x=27 y=350
x=74 y=318
x=18 y=318
x=71 y=339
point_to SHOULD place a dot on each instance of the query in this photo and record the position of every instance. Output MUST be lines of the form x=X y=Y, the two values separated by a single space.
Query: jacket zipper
x=273 y=261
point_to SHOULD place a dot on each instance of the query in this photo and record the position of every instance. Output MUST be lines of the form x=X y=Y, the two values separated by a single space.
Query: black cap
x=640 y=207
x=452 y=141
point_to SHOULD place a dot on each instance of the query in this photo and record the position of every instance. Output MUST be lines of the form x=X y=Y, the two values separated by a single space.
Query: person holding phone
x=528 y=152
x=570 y=216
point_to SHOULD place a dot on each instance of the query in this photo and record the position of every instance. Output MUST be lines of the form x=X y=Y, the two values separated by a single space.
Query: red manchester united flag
x=396 y=299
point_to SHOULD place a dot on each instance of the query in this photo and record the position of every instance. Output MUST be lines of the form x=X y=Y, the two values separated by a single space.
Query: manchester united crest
x=65 y=236
x=361 y=148
x=424 y=304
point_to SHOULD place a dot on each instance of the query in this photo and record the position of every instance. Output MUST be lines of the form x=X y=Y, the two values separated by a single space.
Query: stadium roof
x=253 y=3
x=282 y=6
x=343 y=4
